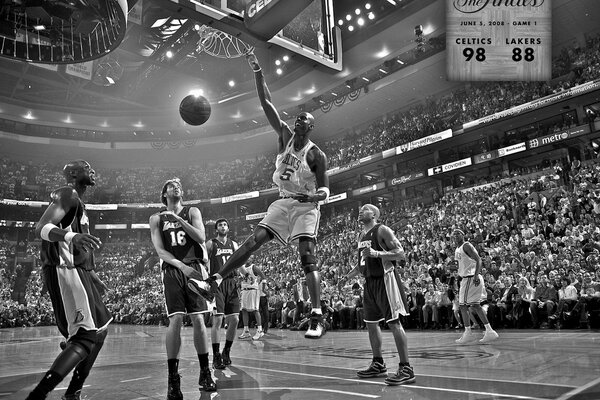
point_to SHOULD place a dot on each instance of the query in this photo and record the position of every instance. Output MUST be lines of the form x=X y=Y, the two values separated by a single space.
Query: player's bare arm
x=387 y=240
x=64 y=200
x=281 y=128
x=317 y=161
x=165 y=255
x=196 y=229
x=471 y=252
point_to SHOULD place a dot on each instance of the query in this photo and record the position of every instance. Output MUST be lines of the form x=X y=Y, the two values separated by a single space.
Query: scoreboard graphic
x=499 y=40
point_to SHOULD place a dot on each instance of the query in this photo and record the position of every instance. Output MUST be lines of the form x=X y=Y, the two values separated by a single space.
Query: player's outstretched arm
x=264 y=95
x=63 y=201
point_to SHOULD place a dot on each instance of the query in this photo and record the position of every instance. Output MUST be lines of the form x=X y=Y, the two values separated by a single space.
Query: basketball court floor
x=522 y=364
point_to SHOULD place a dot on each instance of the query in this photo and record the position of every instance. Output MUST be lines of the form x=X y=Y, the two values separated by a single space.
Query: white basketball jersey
x=466 y=265
x=249 y=280
x=292 y=174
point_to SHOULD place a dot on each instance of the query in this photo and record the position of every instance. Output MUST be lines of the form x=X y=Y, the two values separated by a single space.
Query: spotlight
x=341 y=22
x=368 y=6
x=286 y=58
x=348 y=17
x=279 y=71
x=360 y=21
x=169 y=54
x=277 y=62
x=418 y=30
x=350 y=28
x=371 y=16
x=357 y=11
x=231 y=83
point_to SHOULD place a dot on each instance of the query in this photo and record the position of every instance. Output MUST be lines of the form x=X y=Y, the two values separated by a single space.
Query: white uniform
x=250 y=293
x=469 y=293
x=288 y=219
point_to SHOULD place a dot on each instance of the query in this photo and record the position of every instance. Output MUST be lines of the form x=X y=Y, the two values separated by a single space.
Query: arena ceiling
x=149 y=88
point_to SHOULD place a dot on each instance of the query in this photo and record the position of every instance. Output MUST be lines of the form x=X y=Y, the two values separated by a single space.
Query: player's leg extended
x=307 y=246
x=250 y=245
x=173 y=338
x=84 y=367
x=467 y=335
x=77 y=349
x=201 y=344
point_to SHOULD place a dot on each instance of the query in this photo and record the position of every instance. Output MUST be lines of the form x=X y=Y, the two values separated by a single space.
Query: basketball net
x=220 y=44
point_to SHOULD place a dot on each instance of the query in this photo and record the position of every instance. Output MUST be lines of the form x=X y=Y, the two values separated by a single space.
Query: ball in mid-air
x=195 y=110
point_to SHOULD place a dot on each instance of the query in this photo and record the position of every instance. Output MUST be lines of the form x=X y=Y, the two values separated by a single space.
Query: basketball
x=195 y=110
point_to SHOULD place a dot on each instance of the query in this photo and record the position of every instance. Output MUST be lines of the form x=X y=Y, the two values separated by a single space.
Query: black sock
x=404 y=364
x=378 y=359
x=228 y=344
x=216 y=348
x=173 y=365
x=46 y=385
x=203 y=358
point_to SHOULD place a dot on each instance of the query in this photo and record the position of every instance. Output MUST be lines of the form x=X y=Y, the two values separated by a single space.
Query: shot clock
x=499 y=40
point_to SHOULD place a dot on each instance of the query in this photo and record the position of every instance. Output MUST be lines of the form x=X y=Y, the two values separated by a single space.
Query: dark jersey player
x=68 y=263
x=178 y=237
x=384 y=300
x=227 y=298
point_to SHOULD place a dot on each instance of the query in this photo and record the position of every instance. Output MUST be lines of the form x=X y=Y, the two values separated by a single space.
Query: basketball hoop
x=220 y=44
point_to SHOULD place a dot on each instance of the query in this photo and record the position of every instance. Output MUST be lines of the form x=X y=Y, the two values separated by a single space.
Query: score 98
x=479 y=54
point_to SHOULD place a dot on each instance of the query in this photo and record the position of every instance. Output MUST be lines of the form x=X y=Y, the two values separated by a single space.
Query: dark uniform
x=376 y=304
x=227 y=297
x=179 y=299
x=66 y=270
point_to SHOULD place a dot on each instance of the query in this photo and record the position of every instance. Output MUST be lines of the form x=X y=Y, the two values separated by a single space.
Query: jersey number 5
x=286 y=174
x=178 y=238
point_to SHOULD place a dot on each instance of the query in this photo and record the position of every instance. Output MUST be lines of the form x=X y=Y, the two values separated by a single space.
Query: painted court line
x=136 y=379
x=370 y=396
x=580 y=389
x=430 y=376
x=510 y=396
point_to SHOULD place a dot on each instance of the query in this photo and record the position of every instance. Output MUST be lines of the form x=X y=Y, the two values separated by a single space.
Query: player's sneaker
x=206 y=381
x=375 y=369
x=226 y=357
x=206 y=288
x=316 y=328
x=74 y=396
x=218 y=361
x=466 y=338
x=174 y=388
x=489 y=336
x=258 y=335
x=405 y=375
x=245 y=335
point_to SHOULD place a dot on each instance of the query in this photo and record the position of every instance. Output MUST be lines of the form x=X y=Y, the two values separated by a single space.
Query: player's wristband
x=324 y=189
x=69 y=237
x=257 y=70
x=45 y=233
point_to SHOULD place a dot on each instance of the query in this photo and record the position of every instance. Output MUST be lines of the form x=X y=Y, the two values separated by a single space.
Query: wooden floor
x=522 y=364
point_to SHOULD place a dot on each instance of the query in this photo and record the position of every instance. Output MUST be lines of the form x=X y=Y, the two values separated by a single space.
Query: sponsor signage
x=465 y=162
x=485 y=157
x=426 y=141
x=81 y=70
x=334 y=198
x=367 y=189
x=238 y=197
x=24 y=203
x=261 y=215
x=110 y=226
x=558 y=136
x=101 y=207
x=515 y=148
x=405 y=178
x=140 y=226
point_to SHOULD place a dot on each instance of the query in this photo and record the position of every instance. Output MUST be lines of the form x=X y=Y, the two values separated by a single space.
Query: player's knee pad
x=84 y=339
x=309 y=263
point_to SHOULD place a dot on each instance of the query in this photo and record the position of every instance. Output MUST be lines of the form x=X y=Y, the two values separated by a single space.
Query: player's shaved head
x=374 y=210
x=72 y=167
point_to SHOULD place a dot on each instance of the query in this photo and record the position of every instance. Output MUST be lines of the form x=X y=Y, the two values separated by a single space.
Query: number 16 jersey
x=176 y=240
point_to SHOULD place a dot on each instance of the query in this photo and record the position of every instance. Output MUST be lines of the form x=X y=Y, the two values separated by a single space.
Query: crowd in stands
x=573 y=66
x=539 y=239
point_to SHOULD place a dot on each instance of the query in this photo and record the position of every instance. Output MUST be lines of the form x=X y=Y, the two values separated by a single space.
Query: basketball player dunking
x=227 y=298
x=300 y=174
x=178 y=236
